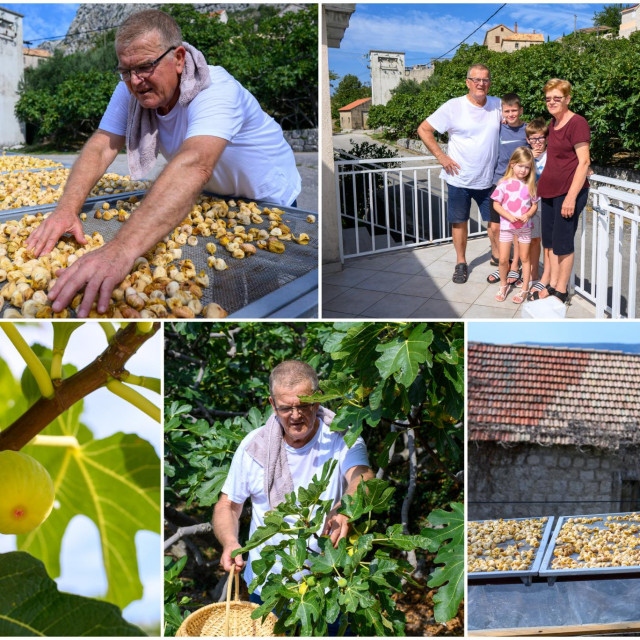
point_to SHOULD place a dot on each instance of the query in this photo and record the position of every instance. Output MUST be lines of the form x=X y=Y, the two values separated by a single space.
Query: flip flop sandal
x=460 y=273
x=519 y=282
x=513 y=276
x=501 y=296
x=562 y=296
x=494 y=278
x=494 y=262
x=537 y=289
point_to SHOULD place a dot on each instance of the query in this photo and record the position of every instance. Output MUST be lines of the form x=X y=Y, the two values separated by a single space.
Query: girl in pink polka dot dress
x=516 y=202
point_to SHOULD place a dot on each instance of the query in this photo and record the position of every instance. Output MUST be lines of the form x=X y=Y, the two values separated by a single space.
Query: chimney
x=516 y=27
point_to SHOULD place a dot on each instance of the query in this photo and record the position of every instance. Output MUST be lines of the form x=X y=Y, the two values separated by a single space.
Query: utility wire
x=482 y=25
x=70 y=35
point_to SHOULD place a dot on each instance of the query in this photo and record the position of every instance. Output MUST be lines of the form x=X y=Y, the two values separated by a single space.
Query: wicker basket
x=229 y=619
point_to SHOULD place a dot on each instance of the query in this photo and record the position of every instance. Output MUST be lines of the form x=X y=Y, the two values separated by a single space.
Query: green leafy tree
x=114 y=481
x=348 y=90
x=605 y=95
x=274 y=57
x=610 y=16
x=399 y=385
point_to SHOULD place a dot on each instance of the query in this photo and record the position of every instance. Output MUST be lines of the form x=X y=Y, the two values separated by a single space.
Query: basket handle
x=232 y=574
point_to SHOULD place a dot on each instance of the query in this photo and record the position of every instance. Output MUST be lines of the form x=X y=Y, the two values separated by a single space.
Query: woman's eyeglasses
x=555 y=99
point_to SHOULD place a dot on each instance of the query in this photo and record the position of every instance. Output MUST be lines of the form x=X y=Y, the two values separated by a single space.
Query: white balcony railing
x=399 y=203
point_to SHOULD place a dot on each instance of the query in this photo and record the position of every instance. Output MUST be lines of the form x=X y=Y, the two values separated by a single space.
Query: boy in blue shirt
x=512 y=136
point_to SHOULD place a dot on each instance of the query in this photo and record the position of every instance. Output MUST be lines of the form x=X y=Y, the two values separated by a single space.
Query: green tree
x=605 y=95
x=406 y=86
x=348 y=90
x=610 y=16
x=274 y=57
x=398 y=385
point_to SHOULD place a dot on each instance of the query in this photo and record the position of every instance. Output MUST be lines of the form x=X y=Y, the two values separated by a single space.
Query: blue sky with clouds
x=82 y=570
x=425 y=31
x=44 y=21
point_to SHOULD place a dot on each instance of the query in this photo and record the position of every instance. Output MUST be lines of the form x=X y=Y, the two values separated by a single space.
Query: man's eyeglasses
x=537 y=140
x=479 y=80
x=555 y=99
x=144 y=70
x=301 y=408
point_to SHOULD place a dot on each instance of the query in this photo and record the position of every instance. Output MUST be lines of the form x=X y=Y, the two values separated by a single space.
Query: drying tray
x=263 y=285
x=552 y=574
x=526 y=575
x=4 y=173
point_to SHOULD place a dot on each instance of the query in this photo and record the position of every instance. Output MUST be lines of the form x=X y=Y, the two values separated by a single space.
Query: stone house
x=388 y=70
x=501 y=38
x=630 y=21
x=33 y=57
x=552 y=431
x=354 y=115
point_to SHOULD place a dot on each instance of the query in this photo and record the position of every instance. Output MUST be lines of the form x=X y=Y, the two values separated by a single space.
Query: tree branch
x=109 y=364
x=193 y=530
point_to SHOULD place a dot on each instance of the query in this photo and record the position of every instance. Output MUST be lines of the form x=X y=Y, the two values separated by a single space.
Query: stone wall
x=530 y=480
x=302 y=139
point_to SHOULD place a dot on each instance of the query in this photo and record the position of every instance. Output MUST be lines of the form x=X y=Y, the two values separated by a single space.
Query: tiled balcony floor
x=416 y=283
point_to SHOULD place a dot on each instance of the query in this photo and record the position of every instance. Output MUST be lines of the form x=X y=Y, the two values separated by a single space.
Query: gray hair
x=480 y=66
x=143 y=22
x=292 y=372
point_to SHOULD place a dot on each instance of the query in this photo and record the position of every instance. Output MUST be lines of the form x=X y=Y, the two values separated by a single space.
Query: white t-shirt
x=474 y=134
x=246 y=479
x=257 y=162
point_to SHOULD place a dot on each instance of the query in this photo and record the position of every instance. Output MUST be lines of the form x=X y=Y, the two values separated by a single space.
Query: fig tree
x=27 y=494
x=342 y=582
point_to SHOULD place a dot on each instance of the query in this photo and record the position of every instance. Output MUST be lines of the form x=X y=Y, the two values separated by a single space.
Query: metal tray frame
x=553 y=574
x=296 y=299
x=526 y=575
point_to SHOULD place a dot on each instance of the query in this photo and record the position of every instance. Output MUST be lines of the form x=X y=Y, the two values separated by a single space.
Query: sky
x=44 y=21
x=82 y=571
x=425 y=31
x=565 y=332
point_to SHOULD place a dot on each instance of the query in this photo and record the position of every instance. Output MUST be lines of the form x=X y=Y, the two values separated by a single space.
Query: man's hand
x=226 y=561
x=336 y=526
x=449 y=165
x=45 y=237
x=99 y=272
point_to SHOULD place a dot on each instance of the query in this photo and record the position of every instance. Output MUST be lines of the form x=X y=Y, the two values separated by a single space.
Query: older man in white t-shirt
x=473 y=124
x=308 y=443
x=211 y=129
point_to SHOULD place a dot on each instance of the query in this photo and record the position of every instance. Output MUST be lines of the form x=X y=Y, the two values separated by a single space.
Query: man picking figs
x=211 y=130
x=283 y=456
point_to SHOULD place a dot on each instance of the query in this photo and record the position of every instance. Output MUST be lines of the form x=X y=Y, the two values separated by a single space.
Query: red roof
x=353 y=104
x=549 y=395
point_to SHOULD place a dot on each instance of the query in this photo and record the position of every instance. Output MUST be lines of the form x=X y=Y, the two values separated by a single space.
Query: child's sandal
x=501 y=296
x=521 y=296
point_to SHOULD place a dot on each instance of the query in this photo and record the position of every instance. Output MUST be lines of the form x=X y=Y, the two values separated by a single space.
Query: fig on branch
x=27 y=493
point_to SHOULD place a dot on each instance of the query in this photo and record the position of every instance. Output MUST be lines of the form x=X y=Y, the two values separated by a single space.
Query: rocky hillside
x=92 y=18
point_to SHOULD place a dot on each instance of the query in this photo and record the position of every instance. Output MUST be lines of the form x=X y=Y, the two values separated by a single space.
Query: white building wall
x=387 y=69
x=630 y=22
x=11 y=66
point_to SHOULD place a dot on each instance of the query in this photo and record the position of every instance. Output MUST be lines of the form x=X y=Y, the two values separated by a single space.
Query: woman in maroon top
x=563 y=188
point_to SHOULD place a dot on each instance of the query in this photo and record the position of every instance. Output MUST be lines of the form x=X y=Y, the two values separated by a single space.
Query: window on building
x=498 y=39
x=517 y=45
x=630 y=495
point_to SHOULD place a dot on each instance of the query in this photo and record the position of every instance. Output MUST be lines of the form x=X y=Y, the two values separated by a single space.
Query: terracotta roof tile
x=553 y=395
x=355 y=103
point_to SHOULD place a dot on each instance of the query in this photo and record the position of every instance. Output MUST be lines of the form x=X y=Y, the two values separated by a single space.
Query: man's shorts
x=494 y=216
x=557 y=232
x=459 y=205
